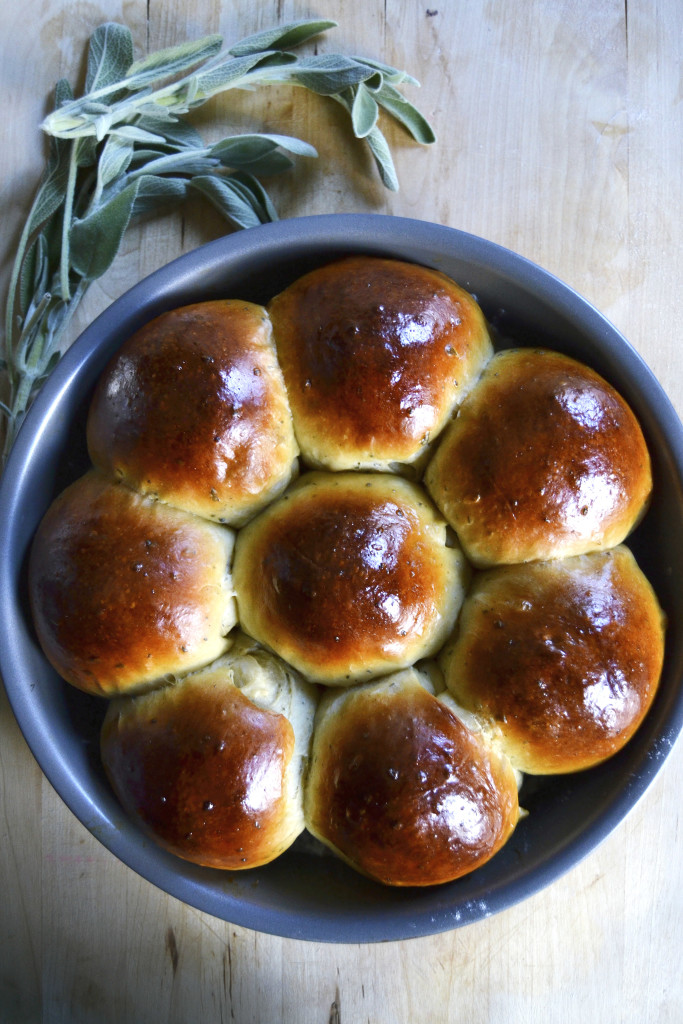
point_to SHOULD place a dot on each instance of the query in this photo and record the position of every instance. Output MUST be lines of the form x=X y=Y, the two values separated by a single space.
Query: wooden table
x=560 y=136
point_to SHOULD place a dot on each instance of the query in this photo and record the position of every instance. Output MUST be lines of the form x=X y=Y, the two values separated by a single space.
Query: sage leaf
x=406 y=114
x=382 y=154
x=232 y=201
x=364 y=112
x=224 y=75
x=135 y=133
x=258 y=193
x=95 y=240
x=154 y=191
x=29 y=275
x=389 y=74
x=115 y=159
x=328 y=74
x=52 y=189
x=176 y=134
x=270 y=163
x=171 y=61
x=239 y=150
x=86 y=151
x=110 y=54
x=49 y=199
x=185 y=162
x=292 y=34
x=34 y=275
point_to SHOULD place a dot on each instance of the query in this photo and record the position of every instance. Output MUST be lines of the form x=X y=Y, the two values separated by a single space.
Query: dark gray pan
x=306 y=894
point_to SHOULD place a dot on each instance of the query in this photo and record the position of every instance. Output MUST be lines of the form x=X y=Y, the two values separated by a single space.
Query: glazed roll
x=212 y=766
x=544 y=460
x=125 y=590
x=348 y=576
x=562 y=657
x=193 y=410
x=376 y=354
x=402 y=789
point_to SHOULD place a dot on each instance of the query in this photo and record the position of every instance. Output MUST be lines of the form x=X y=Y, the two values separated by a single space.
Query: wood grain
x=560 y=136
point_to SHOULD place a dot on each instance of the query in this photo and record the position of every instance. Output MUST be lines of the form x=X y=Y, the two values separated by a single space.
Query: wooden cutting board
x=560 y=136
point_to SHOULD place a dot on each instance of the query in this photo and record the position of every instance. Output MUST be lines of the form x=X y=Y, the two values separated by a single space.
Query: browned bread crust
x=402 y=789
x=544 y=460
x=376 y=354
x=125 y=590
x=208 y=769
x=564 y=657
x=193 y=410
x=348 y=576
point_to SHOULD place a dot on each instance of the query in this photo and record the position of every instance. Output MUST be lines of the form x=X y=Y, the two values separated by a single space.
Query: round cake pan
x=308 y=894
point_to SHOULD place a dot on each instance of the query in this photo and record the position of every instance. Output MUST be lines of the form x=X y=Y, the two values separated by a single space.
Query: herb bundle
x=123 y=148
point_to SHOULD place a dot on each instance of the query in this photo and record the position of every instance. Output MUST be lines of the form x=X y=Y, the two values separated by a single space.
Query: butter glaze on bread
x=551 y=667
x=125 y=590
x=376 y=354
x=193 y=410
x=212 y=766
x=544 y=460
x=348 y=575
x=402 y=789
x=564 y=657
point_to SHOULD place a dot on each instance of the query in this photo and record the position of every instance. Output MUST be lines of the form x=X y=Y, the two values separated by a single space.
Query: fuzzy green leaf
x=239 y=150
x=184 y=162
x=330 y=73
x=406 y=114
x=172 y=61
x=228 y=74
x=86 y=151
x=281 y=38
x=257 y=192
x=134 y=133
x=176 y=134
x=389 y=74
x=52 y=189
x=155 y=191
x=382 y=154
x=35 y=271
x=115 y=159
x=364 y=112
x=234 y=203
x=270 y=163
x=110 y=54
x=95 y=240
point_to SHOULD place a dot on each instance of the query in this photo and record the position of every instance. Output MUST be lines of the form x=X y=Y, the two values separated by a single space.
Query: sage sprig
x=123 y=148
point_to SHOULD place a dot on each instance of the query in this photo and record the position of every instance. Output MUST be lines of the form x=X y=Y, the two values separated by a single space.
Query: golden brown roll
x=376 y=353
x=401 y=789
x=126 y=590
x=544 y=460
x=564 y=657
x=193 y=410
x=212 y=766
x=348 y=575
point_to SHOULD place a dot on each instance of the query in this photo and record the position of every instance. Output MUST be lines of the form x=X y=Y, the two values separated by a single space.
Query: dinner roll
x=348 y=575
x=544 y=460
x=212 y=766
x=563 y=656
x=376 y=353
x=125 y=590
x=193 y=410
x=401 y=788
